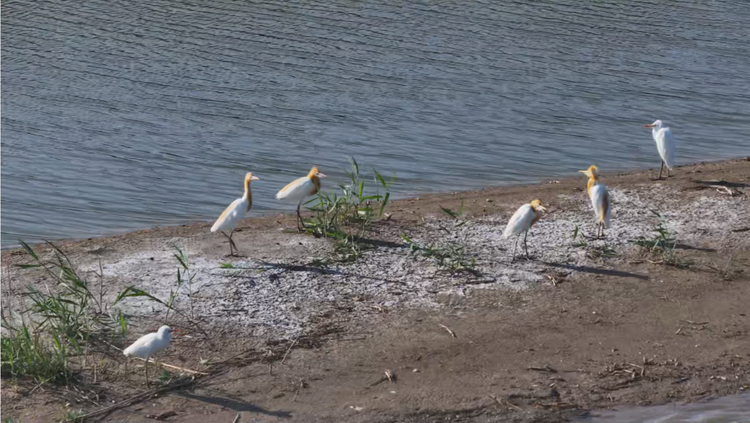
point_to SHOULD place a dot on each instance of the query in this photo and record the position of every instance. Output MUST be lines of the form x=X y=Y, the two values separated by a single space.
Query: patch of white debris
x=281 y=297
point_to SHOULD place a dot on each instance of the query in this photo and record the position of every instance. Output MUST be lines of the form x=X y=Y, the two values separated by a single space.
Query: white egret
x=521 y=221
x=301 y=188
x=599 y=199
x=148 y=345
x=232 y=214
x=665 y=143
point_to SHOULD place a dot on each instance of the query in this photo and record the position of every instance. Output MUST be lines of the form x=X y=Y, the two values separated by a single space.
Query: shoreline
x=586 y=324
x=285 y=214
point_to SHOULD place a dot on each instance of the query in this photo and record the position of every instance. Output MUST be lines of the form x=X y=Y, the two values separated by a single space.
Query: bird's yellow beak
x=650 y=125
x=255 y=178
x=320 y=175
x=541 y=208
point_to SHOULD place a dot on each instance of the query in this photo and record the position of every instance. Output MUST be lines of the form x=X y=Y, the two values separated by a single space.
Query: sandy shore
x=585 y=324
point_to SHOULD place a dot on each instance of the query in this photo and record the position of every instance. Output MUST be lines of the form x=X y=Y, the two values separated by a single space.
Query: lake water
x=121 y=115
x=729 y=409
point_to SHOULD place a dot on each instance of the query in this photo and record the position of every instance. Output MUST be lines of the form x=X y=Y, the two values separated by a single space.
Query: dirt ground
x=585 y=325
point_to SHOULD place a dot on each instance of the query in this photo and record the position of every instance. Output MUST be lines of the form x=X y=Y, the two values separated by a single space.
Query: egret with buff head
x=229 y=218
x=599 y=196
x=521 y=221
x=299 y=189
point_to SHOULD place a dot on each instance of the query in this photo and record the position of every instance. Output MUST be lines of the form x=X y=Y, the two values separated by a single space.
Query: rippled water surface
x=121 y=115
x=730 y=409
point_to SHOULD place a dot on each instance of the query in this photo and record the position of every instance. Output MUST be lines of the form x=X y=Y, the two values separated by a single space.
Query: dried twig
x=725 y=190
x=173 y=367
x=453 y=334
x=546 y=368
x=290 y=348
x=296 y=393
x=694 y=323
x=237 y=419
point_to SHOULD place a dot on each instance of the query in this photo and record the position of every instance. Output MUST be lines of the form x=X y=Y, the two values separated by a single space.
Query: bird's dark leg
x=668 y=175
x=147 y=382
x=662 y=168
x=230 y=241
x=515 y=246
x=525 y=246
x=299 y=218
x=232 y=244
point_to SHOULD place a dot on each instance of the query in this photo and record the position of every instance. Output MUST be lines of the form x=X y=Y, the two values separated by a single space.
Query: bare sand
x=585 y=324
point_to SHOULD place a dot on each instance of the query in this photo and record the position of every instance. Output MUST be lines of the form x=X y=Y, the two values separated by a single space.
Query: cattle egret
x=300 y=189
x=232 y=214
x=148 y=345
x=665 y=143
x=599 y=199
x=521 y=221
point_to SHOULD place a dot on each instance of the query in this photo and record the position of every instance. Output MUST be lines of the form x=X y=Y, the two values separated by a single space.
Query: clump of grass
x=576 y=233
x=58 y=324
x=74 y=416
x=165 y=377
x=663 y=244
x=346 y=216
x=601 y=252
x=451 y=257
x=27 y=354
x=183 y=286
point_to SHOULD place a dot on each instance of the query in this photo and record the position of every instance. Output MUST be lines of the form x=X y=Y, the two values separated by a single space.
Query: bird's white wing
x=230 y=216
x=667 y=146
x=297 y=190
x=142 y=347
x=600 y=201
x=520 y=221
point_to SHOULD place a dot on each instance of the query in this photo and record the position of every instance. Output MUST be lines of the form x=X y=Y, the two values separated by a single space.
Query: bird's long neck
x=316 y=182
x=655 y=131
x=592 y=181
x=248 y=195
x=537 y=216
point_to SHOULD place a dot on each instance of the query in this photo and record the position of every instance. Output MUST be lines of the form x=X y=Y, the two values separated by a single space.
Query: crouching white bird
x=521 y=221
x=232 y=214
x=299 y=189
x=599 y=199
x=148 y=345
x=665 y=143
